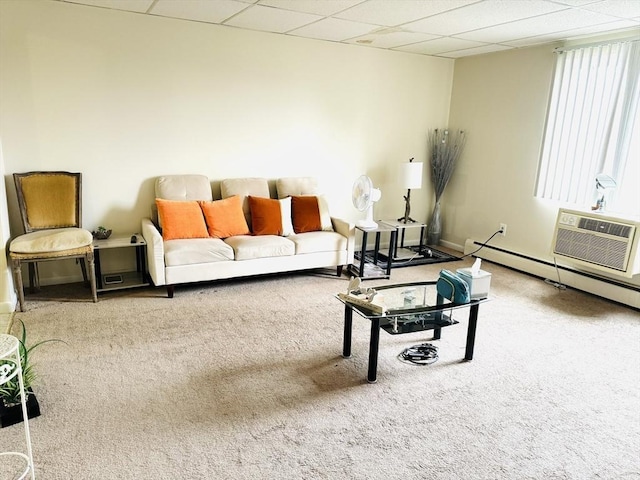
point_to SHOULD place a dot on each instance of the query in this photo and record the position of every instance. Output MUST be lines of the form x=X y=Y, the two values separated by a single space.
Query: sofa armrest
x=347 y=230
x=155 y=251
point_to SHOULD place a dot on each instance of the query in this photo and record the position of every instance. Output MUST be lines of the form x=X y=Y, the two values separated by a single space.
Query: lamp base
x=407 y=209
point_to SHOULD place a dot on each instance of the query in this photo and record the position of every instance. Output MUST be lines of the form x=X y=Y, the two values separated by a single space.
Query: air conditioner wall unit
x=597 y=241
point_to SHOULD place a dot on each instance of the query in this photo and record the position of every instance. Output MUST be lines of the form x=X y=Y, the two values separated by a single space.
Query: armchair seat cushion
x=248 y=247
x=196 y=250
x=57 y=240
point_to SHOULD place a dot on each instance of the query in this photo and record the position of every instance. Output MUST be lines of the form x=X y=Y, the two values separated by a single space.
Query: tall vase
x=434 y=229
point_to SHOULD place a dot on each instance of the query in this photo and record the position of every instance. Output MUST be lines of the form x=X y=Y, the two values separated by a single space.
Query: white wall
x=7 y=293
x=501 y=100
x=124 y=98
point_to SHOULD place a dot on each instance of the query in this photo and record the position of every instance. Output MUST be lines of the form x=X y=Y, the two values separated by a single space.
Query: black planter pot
x=13 y=414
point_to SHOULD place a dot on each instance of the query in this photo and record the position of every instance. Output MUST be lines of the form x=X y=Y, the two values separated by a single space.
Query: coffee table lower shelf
x=434 y=319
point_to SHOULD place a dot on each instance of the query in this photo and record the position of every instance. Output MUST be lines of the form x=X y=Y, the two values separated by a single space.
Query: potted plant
x=101 y=233
x=10 y=406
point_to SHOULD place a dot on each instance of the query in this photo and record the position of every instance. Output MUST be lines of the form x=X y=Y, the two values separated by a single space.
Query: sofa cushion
x=224 y=218
x=313 y=242
x=183 y=187
x=291 y=186
x=181 y=219
x=195 y=251
x=257 y=187
x=270 y=216
x=310 y=214
x=249 y=247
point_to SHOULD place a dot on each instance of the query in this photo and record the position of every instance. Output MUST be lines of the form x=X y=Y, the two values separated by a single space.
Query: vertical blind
x=592 y=112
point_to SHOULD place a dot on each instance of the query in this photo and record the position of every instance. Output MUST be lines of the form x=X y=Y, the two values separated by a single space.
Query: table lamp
x=410 y=177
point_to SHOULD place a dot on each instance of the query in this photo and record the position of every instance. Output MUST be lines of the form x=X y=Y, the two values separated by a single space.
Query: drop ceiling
x=444 y=28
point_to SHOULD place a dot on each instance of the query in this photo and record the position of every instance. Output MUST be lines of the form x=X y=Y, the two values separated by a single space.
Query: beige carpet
x=244 y=380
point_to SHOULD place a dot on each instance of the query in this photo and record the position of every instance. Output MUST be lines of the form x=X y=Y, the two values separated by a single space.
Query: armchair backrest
x=49 y=199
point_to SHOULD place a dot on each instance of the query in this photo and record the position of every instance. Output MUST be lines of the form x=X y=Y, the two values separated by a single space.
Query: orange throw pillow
x=181 y=219
x=225 y=217
x=305 y=211
x=270 y=216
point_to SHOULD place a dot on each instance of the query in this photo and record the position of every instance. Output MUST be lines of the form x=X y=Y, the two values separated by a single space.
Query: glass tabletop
x=406 y=307
x=402 y=299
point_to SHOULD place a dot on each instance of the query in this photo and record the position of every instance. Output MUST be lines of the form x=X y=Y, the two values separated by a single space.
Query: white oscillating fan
x=364 y=196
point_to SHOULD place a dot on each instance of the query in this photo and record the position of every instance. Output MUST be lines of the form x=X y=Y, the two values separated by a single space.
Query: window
x=593 y=127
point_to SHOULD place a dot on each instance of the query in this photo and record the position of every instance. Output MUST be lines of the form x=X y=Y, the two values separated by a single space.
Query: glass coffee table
x=408 y=307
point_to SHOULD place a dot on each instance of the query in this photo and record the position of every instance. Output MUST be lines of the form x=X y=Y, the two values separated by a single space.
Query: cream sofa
x=178 y=261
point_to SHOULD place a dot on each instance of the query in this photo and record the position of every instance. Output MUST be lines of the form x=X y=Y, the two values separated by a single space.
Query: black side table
x=367 y=270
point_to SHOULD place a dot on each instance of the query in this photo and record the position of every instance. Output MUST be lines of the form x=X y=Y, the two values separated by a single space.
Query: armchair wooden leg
x=339 y=272
x=92 y=276
x=34 y=277
x=17 y=277
x=83 y=267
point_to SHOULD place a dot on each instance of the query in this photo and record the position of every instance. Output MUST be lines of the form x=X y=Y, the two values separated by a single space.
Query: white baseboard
x=8 y=306
x=617 y=291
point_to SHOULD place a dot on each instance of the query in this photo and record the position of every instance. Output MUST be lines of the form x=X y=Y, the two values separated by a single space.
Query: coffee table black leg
x=471 y=331
x=372 y=376
x=346 y=342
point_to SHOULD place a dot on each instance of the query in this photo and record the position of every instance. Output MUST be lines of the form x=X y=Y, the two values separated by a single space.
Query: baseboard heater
x=608 y=288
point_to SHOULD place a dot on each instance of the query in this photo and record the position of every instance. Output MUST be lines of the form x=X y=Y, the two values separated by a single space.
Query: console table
x=366 y=270
x=401 y=229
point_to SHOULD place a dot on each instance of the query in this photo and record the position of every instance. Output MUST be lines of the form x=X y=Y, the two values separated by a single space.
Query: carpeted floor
x=244 y=380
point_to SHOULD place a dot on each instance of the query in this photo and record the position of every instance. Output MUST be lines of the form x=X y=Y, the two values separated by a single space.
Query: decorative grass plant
x=445 y=147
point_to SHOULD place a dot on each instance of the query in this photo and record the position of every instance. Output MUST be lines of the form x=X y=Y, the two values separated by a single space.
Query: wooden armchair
x=51 y=208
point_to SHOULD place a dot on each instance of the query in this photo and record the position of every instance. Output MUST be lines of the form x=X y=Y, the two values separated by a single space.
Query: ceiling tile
x=617 y=8
x=481 y=15
x=318 y=7
x=140 y=6
x=333 y=29
x=271 y=19
x=618 y=26
x=440 y=45
x=535 y=26
x=396 y=12
x=475 y=51
x=200 y=10
x=445 y=28
x=576 y=3
x=390 y=38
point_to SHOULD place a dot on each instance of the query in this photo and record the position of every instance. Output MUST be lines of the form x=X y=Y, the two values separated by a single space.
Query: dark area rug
x=407 y=257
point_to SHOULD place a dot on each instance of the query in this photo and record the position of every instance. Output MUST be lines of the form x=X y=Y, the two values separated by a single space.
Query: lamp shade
x=411 y=175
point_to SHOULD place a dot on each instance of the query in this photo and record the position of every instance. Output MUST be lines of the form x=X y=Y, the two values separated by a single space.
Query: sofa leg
x=170 y=290
x=339 y=270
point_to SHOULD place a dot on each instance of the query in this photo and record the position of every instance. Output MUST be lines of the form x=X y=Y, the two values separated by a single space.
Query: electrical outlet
x=503 y=229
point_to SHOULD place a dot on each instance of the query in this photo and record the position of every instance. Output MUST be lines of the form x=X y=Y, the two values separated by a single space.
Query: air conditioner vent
x=590 y=248
x=605 y=227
